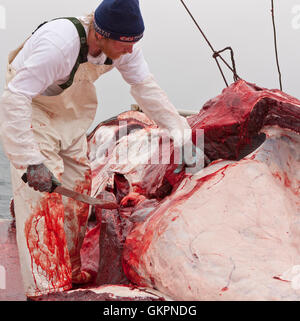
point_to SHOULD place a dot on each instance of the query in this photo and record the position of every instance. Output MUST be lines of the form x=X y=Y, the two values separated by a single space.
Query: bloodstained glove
x=40 y=178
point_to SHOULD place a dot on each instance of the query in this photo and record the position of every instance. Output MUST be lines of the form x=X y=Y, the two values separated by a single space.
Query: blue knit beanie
x=119 y=20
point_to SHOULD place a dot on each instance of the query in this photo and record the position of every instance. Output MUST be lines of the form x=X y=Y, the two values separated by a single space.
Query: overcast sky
x=175 y=50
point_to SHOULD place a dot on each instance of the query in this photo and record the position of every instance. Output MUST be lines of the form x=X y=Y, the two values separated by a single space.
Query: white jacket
x=45 y=62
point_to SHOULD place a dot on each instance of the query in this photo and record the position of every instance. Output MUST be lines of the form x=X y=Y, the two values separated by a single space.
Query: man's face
x=111 y=48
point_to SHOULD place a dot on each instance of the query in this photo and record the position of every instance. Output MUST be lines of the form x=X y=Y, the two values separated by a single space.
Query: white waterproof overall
x=51 y=228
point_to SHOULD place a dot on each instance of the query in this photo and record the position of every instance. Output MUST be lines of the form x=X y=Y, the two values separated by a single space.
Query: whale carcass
x=230 y=231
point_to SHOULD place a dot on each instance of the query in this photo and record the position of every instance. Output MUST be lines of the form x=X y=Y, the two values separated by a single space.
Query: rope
x=275 y=44
x=216 y=54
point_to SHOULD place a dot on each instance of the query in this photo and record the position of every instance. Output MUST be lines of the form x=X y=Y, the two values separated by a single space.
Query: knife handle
x=55 y=182
x=24 y=178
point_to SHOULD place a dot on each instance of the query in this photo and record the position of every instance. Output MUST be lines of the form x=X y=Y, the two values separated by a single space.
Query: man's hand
x=40 y=178
x=192 y=159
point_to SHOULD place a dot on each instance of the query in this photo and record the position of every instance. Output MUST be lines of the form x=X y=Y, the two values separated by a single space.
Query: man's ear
x=98 y=36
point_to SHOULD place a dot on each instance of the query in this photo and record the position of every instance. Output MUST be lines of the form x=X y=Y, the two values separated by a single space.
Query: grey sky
x=174 y=49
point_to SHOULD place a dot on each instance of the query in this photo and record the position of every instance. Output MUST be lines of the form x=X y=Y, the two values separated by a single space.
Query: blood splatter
x=46 y=241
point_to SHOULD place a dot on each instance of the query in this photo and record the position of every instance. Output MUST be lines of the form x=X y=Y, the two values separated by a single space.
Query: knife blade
x=85 y=198
x=58 y=188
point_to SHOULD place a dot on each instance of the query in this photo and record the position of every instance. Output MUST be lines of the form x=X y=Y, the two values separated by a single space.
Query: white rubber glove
x=193 y=159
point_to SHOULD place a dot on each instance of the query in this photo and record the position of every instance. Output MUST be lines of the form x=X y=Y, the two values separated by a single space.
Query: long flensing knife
x=58 y=188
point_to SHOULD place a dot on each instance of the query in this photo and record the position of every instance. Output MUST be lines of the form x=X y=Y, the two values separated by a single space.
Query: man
x=48 y=104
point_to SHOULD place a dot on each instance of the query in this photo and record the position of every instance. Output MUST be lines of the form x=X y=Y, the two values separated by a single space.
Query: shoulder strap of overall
x=82 y=57
x=84 y=49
